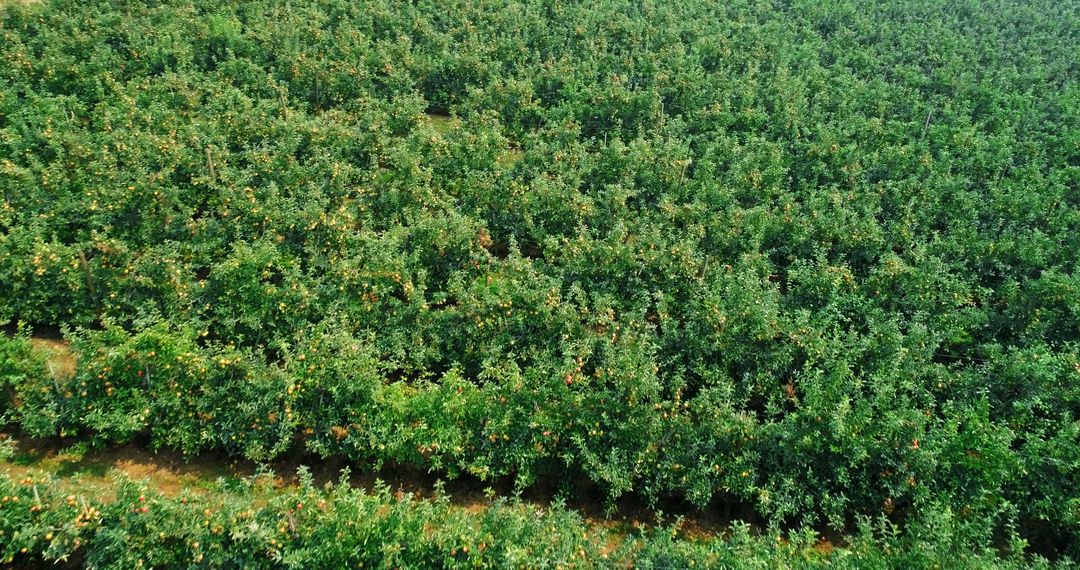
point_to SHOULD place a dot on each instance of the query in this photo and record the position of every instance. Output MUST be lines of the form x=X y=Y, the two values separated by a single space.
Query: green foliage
x=23 y=374
x=819 y=258
x=250 y=524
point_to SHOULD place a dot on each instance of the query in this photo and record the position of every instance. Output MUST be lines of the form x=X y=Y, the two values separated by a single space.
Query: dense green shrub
x=816 y=257
x=250 y=524
x=22 y=370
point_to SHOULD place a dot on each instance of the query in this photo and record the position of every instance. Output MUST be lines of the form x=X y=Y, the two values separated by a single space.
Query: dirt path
x=171 y=473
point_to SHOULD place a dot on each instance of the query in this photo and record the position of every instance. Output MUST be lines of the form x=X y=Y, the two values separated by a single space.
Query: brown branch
x=85 y=264
x=210 y=165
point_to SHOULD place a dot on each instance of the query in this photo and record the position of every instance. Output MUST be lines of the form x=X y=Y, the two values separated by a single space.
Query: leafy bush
x=250 y=524
x=23 y=375
x=817 y=258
